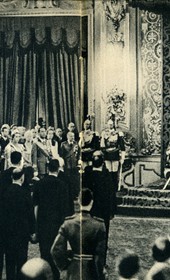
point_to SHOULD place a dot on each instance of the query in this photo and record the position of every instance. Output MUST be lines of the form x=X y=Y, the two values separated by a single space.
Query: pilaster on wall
x=99 y=61
x=112 y=66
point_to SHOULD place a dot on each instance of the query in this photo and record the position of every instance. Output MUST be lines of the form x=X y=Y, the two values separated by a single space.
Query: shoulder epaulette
x=98 y=219
x=70 y=217
x=97 y=134
x=121 y=134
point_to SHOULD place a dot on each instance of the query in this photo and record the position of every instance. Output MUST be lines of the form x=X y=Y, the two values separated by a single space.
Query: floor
x=137 y=234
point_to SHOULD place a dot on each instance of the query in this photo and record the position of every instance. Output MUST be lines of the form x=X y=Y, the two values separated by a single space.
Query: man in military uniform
x=112 y=145
x=86 y=237
x=40 y=155
x=69 y=152
x=89 y=142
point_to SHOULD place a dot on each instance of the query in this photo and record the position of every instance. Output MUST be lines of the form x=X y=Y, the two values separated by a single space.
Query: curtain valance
x=37 y=33
x=40 y=38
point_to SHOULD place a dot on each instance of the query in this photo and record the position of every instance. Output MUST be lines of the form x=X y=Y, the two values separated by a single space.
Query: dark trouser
x=107 y=224
x=1 y=256
x=2 y=164
x=74 y=182
x=45 y=247
x=16 y=256
x=115 y=189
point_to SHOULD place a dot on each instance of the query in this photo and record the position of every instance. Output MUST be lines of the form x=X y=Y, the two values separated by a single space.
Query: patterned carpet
x=133 y=233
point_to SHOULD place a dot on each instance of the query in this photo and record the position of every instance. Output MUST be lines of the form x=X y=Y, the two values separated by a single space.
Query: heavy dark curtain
x=40 y=67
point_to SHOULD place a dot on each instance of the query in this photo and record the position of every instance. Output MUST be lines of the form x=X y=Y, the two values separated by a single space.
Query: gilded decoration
x=32 y=4
x=40 y=7
x=151 y=63
x=8 y=4
x=115 y=11
x=116 y=102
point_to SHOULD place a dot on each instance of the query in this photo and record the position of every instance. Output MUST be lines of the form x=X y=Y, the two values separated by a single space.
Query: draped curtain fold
x=40 y=76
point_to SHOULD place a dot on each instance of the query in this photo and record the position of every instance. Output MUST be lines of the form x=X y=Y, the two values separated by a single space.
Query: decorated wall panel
x=166 y=85
x=151 y=82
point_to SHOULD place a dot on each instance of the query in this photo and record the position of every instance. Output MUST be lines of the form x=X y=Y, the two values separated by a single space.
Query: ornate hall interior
x=112 y=55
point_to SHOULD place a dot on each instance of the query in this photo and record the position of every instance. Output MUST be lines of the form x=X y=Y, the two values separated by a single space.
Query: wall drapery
x=39 y=64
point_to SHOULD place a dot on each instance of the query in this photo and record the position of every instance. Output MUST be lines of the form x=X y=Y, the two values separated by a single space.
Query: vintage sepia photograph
x=84 y=139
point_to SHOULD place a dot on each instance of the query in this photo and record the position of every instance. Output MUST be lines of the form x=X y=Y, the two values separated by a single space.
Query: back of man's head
x=17 y=173
x=161 y=249
x=128 y=264
x=36 y=269
x=53 y=165
x=97 y=159
x=163 y=274
x=85 y=197
x=16 y=157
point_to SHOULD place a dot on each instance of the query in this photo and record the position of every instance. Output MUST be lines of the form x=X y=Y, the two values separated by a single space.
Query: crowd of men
x=43 y=172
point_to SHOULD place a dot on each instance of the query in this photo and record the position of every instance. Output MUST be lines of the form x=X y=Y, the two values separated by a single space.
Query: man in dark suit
x=5 y=182
x=4 y=141
x=59 y=137
x=40 y=155
x=69 y=152
x=19 y=224
x=99 y=180
x=51 y=200
x=6 y=175
x=86 y=236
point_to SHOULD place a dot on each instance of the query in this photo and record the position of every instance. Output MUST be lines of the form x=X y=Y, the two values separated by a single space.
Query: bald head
x=70 y=136
x=71 y=127
x=36 y=269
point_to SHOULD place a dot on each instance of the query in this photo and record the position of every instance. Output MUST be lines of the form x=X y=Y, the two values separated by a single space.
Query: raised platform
x=151 y=200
